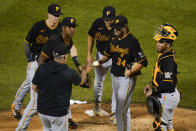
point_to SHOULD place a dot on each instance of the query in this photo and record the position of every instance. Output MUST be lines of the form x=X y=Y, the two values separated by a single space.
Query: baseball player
x=123 y=49
x=101 y=31
x=163 y=84
x=65 y=38
x=34 y=43
x=53 y=80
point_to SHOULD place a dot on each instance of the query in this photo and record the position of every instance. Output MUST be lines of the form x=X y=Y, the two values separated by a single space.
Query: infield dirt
x=184 y=119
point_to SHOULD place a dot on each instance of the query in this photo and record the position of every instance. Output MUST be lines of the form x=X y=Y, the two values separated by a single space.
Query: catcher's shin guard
x=157 y=126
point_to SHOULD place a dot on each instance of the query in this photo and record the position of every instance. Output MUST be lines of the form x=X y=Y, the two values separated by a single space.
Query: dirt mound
x=184 y=120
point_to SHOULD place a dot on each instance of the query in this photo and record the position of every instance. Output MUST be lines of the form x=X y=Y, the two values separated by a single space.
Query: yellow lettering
x=119 y=50
x=41 y=39
x=123 y=63
x=100 y=37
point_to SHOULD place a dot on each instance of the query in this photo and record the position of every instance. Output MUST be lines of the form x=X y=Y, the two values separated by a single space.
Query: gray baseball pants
x=100 y=74
x=52 y=123
x=123 y=89
x=169 y=103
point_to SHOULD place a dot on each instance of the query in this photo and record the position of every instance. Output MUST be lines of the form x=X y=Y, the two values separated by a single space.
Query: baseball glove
x=87 y=83
x=154 y=106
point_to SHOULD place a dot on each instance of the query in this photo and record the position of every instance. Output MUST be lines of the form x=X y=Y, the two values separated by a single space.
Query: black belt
x=119 y=75
x=168 y=91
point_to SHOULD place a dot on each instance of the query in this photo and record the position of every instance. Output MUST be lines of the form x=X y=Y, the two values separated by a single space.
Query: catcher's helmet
x=166 y=33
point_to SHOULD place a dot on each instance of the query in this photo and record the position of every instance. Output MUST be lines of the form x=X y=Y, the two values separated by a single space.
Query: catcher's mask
x=165 y=33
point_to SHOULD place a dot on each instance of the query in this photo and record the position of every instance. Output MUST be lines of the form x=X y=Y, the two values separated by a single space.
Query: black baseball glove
x=87 y=83
x=154 y=106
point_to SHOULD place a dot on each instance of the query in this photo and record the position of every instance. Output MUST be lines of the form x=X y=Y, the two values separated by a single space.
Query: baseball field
x=144 y=16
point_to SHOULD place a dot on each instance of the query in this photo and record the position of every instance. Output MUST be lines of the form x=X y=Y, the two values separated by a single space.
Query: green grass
x=144 y=16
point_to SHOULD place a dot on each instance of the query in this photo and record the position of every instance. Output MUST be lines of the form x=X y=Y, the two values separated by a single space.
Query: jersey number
x=120 y=62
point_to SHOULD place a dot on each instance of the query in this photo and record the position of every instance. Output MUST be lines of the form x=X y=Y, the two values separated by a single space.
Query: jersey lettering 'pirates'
x=165 y=72
x=123 y=52
x=99 y=31
x=39 y=35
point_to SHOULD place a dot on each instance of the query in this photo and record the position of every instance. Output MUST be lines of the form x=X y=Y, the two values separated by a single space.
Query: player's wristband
x=76 y=61
x=28 y=55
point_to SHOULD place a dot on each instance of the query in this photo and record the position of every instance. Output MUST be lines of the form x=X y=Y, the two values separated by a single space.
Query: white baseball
x=96 y=63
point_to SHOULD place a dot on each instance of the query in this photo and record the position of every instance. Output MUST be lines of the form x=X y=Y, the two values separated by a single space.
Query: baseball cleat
x=113 y=118
x=16 y=113
x=97 y=109
x=72 y=124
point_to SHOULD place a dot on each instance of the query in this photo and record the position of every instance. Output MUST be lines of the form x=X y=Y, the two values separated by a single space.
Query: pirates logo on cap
x=72 y=21
x=117 y=21
x=107 y=13
x=57 y=8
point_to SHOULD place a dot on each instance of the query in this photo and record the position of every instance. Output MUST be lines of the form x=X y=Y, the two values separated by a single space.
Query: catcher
x=162 y=94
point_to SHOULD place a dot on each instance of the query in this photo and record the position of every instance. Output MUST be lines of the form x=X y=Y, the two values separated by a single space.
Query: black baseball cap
x=54 y=10
x=120 y=22
x=60 y=49
x=109 y=13
x=69 y=21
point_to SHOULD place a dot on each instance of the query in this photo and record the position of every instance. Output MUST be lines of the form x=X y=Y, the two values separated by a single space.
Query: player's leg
x=28 y=114
x=45 y=122
x=126 y=87
x=113 y=102
x=72 y=124
x=169 y=103
x=100 y=73
x=31 y=108
x=59 y=123
x=20 y=95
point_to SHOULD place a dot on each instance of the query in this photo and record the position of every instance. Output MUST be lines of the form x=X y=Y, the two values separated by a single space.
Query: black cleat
x=72 y=124
x=16 y=113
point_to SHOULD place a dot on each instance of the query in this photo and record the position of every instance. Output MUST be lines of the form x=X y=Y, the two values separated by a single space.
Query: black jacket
x=54 y=81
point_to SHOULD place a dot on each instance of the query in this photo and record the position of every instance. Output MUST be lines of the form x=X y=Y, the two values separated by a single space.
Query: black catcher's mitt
x=154 y=106
x=87 y=83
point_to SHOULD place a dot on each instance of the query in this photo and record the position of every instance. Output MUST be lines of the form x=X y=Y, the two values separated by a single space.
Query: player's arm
x=74 y=55
x=27 y=51
x=80 y=79
x=140 y=59
x=35 y=87
x=47 y=52
x=104 y=59
x=42 y=58
x=134 y=69
x=90 y=49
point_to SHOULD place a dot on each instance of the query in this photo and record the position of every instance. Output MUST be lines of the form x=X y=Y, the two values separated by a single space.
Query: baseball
x=95 y=63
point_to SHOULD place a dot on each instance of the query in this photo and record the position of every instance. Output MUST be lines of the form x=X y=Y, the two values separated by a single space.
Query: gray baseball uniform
x=123 y=52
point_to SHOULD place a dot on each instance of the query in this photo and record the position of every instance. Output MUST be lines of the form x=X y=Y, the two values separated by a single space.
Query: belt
x=168 y=91
x=119 y=75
